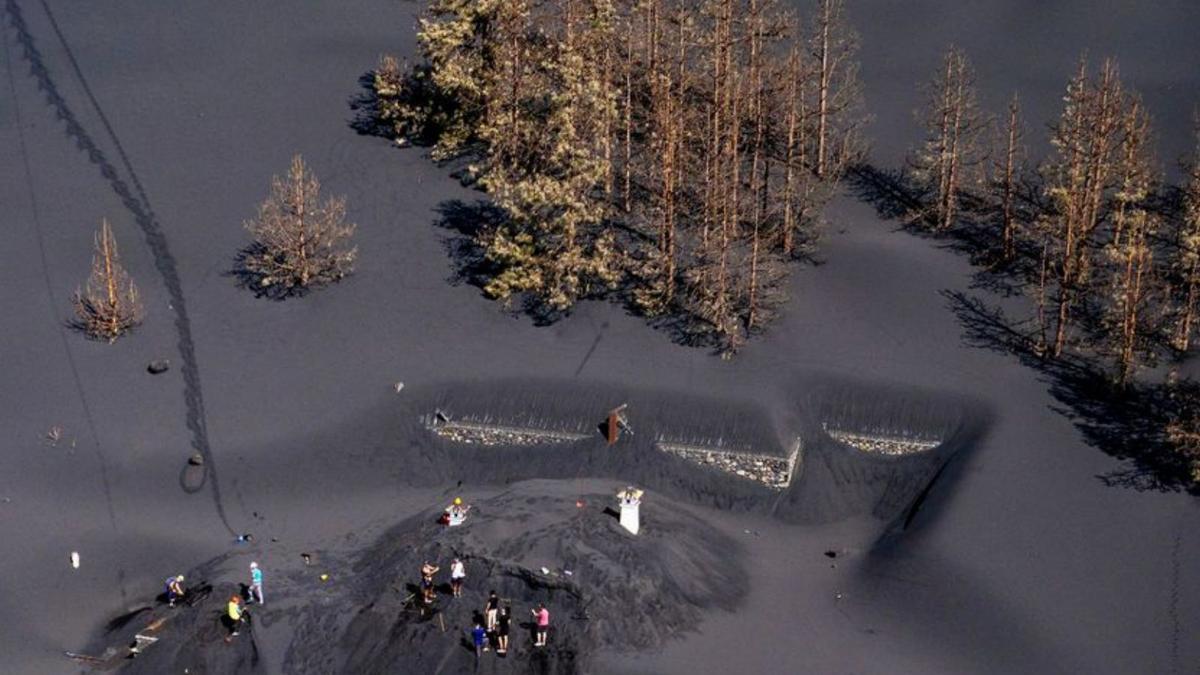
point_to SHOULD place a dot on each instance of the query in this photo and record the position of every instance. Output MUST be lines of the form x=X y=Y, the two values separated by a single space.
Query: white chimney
x=630 y=498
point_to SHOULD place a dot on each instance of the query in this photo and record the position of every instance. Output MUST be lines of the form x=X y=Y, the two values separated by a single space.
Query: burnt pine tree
x=1008 y=170
x=299 y=240
x=1128 y=255
x=833 y=47
x=1185 y=259
x=678 y=151
x=108 y=306
x=953 y=124
x=1078 y=179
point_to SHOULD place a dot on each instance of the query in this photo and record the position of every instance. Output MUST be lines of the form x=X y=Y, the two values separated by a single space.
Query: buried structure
x=829 y=451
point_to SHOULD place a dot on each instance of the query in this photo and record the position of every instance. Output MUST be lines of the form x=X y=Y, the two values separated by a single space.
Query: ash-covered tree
x=1008 y=169
x=550 y=179
x=1128 y=259
x=680 y=152
x=300 y=241
x=1185 y=254
x=953 y=128
x=108 y=306
x=1078 y=179
x=838 y=93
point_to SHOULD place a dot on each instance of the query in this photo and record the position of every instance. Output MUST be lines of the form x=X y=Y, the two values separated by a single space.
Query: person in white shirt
x=458 y=573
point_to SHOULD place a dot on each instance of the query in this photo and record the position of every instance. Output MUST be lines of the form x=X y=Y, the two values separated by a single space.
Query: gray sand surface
x=170 y=118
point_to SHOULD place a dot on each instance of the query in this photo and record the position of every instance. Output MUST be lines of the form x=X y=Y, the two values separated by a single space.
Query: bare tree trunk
x=1008 y=185
x=827 y=8
x=628 y=116
x=1183 y=331
x=790 y=155
x=1041 y=297
x=752 y=310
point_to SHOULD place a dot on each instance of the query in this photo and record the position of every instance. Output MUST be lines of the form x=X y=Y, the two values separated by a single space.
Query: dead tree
x=833 y=47
x=1185 y=260
x=1077 y=180
x=299 y=241
x=109 y=305
x=953 y=124
x=1008 y=174
x=1128 y=254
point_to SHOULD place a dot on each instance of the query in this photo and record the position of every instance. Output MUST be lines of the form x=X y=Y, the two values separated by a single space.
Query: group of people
x=235 y=611
x=498 y=623
x=495 y=627
x=497 y=620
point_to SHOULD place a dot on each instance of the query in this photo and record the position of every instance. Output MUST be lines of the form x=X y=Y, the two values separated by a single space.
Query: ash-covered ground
x=169 y=119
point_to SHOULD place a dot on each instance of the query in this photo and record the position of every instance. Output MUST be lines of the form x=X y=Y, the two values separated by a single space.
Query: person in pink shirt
x=542 y=615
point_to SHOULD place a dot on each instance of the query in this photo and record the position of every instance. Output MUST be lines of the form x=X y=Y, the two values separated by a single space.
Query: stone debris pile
x=883 y=445
x=774 y=472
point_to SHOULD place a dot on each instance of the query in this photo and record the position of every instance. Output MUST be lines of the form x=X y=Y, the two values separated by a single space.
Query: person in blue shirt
x=256 y=583
x=479 y=637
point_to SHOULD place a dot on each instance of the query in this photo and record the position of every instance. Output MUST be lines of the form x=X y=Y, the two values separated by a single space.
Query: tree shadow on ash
x=465 y=222
x=897 y=196
x=366 y=118
x=256 y=282
x=1125 y=423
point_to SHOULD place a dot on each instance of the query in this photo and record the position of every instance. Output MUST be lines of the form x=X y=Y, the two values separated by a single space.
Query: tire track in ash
x=143 y=213
x=35 y=212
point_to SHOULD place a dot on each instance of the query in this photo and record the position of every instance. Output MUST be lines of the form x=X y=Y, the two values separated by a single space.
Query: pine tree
x=1005 y=182
x=668 y=144
x=833 y=47
x=552 y=187
x=109 y=305
x=1128 y=252
x=954 y=124
x=1077 y=181
x=1185 y=261
x=299 y=241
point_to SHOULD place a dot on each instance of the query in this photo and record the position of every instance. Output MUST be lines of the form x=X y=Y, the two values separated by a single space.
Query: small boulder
x=158 y=366
x=196 y=459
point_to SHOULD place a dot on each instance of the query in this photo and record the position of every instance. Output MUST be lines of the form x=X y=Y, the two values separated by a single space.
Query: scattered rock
x=159 y=366
x=493 y=436
x=883 y=445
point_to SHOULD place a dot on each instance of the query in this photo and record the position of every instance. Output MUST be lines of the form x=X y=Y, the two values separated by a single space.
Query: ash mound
x=190 y=638
x=622 y=591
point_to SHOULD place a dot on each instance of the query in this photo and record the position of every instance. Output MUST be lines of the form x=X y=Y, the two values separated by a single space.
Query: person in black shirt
x=502 y=626
x=491 y=610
